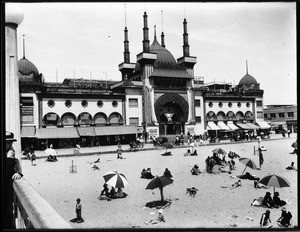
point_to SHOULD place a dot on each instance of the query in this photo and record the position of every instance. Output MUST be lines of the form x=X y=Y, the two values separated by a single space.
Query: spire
x=186 y=47
x=246 y=67
x=24 y=47
x=154 y=31
x=162 y=33
x=125 y=16
x=126 y=47
x=146 y=41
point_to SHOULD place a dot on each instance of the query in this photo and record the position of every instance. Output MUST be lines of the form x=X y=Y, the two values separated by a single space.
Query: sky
x=85 y=40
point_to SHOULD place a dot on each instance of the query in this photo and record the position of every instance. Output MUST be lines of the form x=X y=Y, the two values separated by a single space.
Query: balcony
x=32 y=211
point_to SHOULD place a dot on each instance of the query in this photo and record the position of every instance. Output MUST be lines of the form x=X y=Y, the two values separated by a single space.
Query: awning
x=263 y=125
x=115 y=130
x=277 y=123
x=28 y=132
x=231 y=125
x=252 y=126
x=212 y=126
x=243 y=126
x=57 y=133
x=223 y=126
x=86 y=131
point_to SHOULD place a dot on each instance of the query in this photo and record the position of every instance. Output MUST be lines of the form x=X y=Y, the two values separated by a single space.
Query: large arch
x=115 y=118
x=211 y=116
x=84 y=118
x=249 y=115
x=239 y=115
x=100 y=119
x=171 y=111
x=50 y=119
x=230 y=115
x=221 y=116
x=68 y=119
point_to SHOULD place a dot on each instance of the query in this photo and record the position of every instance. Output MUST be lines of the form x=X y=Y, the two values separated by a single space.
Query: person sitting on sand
x=236 y=184
x=188 y=152
x=248 y=176
x=104 y=190
x=160 y=218
x=194 y=153
x=167 y=173
x=112 y=192
x=143 y=173
x=268 y=201
x=119 y=194
x=285 y=218
x=148 y=174
x=195 y=170
x=291 y=167
x=265 y=220
x=259 y=185
x=277 y=201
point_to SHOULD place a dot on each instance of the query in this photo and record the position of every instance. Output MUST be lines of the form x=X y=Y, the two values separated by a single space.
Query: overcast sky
x=87 y=39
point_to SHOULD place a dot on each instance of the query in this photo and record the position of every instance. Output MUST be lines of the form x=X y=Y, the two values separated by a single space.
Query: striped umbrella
x=115 y=179
x=248 y=163
x=219 y=151
x=275 y=181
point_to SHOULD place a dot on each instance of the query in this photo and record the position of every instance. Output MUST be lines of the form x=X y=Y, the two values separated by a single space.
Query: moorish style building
x=158 y=95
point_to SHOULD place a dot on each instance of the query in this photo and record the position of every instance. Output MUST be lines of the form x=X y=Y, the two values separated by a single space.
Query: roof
x=166 y=72
x=26 y=67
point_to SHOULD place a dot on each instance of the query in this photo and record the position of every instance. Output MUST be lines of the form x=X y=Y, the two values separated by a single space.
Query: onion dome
x=26 y=67
x=247 y=80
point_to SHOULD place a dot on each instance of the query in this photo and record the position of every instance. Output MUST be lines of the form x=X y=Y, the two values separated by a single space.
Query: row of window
x=84 y=103
x=279 y=115
x=239 y=104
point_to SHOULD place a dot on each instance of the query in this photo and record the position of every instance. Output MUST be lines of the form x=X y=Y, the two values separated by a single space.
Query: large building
x=158 y=95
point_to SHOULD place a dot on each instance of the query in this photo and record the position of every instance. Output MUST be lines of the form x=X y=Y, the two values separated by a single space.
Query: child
x=78 y=208
x=119 y=151
x=32 y=158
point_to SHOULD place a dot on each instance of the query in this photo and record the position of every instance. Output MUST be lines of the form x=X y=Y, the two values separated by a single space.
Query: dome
x=164 y=57
x=247 y=80
x=14 y=13
x=26 y=67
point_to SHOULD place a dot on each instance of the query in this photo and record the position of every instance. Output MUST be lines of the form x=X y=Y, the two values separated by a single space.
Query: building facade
x=158 y=95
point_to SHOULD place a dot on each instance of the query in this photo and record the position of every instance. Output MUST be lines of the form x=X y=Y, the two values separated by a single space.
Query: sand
x=212 y=207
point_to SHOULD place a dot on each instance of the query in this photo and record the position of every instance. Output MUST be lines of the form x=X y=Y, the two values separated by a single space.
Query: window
x=84 y=103
x=198 y=118
x=26 y=110
x=258 y=103
x=220 y=104
x=197 y=102
x=272 y=115
x=248 y=104
x=100 y=103
x=229 y=104
x=27 y=101
x=114 y=103
x=133 y=121
x=210 y=104
x=133 y=102
x=290 y=114
x=265 y=116
x=281 y=115
x=68 y=103
x=239 y=104
x=51 y=103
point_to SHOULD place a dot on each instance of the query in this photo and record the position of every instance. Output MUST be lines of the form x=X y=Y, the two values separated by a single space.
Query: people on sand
x=143 y=173
x=33 y=158
x=195 y=170
x=167 y=173
x=188 y=152
x=78 y=209
x=194 y=153
x=119 y=151
x=291 y=167
x=277 y=201
x=265 y=220
x=148 y=174
x=285 y=218
x=105 y=190
x=268 y=201
x=259 y=185
x=51 y=158
x=261 y=158
x=236 y=184
x=160 y=218
x=112 y=192
x=248 y=176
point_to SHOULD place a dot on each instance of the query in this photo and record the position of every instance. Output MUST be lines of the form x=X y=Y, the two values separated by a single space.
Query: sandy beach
x=212 y=207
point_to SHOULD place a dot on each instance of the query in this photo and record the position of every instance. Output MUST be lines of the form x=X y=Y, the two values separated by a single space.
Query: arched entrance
x=171 y=111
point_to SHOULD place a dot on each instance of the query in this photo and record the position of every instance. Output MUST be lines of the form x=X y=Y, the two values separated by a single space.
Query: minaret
x=246 y=67
x=186 y=46
x=13 y=17
x=24 y=47
x=162 y=33
x=146 y=41
x=126 y=67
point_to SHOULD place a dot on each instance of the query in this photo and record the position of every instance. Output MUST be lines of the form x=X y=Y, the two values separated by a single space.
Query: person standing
x=119 y=151
x=11 y=172
x=78 y=209
x=261 y=158
x=265 y=220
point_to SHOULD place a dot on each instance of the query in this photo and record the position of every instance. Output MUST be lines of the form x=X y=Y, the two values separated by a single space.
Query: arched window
x=115 y=118
x=85 y=119
x=210 y=116
x=221 y=116
x=248 y=115
x=68 y=119
x=239 y=115
x=50 y=119
x=100 y=119
x=230 y=115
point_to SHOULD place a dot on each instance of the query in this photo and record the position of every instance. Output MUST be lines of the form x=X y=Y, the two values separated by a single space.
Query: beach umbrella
x=159 y=182
x=219 y=151
x=294 y=144
x=115 y=179
x=248 y=163
x=274 y=181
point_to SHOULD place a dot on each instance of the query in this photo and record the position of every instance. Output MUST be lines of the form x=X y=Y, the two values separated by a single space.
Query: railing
x=33 y=211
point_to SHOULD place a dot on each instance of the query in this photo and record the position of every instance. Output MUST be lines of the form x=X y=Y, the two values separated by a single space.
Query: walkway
x=84 y=151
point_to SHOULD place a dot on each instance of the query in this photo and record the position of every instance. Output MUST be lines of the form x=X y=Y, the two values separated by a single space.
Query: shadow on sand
x=158 y=204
